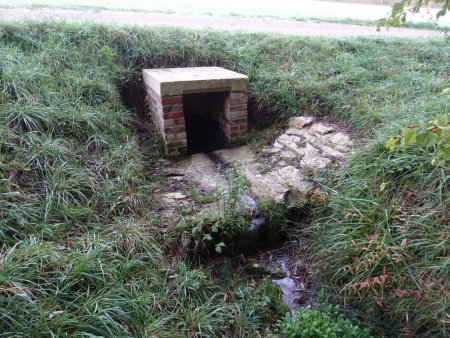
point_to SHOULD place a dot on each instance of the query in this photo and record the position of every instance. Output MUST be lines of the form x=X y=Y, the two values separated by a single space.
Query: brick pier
x=223 y=94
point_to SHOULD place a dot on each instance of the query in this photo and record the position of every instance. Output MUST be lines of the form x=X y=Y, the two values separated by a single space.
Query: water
x=296 y=287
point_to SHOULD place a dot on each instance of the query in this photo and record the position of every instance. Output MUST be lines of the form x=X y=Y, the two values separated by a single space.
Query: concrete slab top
x=178 y=81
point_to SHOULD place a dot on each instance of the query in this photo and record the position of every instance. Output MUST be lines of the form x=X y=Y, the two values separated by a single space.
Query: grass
x=83 y=251
x=285 y=11
x=375 y=23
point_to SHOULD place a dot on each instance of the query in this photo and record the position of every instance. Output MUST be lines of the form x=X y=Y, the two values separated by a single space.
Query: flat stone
x=201 y=171
x=300 y=121
x=332 y=152
x=304 y=134
x=315 y=162
x=285 y=139
x=272 y=150
x=321 y=129
x=287 y=155
x=292 y=179
x=310 y=150
x=239 y=155
x=276 y=183
x=278 y=145
x=341 y=142
x=175 y=195
x=178 y=81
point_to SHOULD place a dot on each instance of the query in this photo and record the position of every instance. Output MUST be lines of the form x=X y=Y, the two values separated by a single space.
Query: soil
x=301 y=28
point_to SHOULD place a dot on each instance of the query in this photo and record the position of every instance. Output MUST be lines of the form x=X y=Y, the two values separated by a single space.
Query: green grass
x=375 y=23
x=83 y=251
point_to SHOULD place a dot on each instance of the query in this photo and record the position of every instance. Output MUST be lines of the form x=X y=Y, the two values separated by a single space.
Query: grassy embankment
x=82 y=250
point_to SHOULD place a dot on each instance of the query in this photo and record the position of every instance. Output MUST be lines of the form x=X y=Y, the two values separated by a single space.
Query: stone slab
x=178 y=81
x=200 y=170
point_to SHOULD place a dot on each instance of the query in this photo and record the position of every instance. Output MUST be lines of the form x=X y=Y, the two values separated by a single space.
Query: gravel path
x=304 y=28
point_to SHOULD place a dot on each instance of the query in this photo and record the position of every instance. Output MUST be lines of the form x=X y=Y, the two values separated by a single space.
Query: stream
x=284 y=264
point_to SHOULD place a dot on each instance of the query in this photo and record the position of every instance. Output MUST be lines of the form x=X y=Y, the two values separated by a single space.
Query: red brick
x=243 y=126
x=181 y=136
x=170 y=137
x=172 y=108
x=238 y=121
x=234 y=128
x=177 y=143
x=238 y=98
x=180 y=121
x=171 y=100
x=237 y=114
x=173 y=115
x=169 y=122
x=175 y=129
x=238 y=107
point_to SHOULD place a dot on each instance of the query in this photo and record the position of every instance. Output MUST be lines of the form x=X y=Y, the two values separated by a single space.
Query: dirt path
x=303 y=28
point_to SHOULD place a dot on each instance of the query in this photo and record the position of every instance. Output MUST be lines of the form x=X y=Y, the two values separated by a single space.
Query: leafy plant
x=433 y=135
x=400 y=10
x=220 y=225
x=326 y=322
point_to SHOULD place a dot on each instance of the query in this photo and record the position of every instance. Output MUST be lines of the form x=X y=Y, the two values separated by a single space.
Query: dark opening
x=205 y=119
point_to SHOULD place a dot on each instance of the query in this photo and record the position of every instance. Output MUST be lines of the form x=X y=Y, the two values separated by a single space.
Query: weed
x=324 y=323
x=220 y=227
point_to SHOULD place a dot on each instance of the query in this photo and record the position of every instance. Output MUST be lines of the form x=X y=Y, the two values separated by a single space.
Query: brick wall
x=237 y=117
x=168 y=114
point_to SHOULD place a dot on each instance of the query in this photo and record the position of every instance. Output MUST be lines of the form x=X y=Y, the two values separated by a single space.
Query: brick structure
x=197 y=109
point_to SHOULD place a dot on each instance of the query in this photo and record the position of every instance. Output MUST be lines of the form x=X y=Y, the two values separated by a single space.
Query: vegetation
x=220 y=227
x=83 y=251
x=326 y=322
x=400 y=10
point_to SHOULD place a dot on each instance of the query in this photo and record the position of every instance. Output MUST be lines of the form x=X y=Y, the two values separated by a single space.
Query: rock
x=254 y=268
x=333 y=153
x=272 y=150
x=240 y=155
x=301 y=121
x=315 y=162
x=289 y=140
x=178 y=178
x=175 y=195
x=294 y=198
x=287 y=155
x=289 y=289
x=278 y=145
x=262 y=268
x=293 y=144
x=304 y=134
x=340 y=142
x=310 y=151
x=278 y=273
x=201 y=171
x=172 y=199
x=321 y=129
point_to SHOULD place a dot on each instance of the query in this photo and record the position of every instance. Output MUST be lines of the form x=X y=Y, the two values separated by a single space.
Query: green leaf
x=391 y=143
x=219 y=247
x=409 y=136
x=442 y=120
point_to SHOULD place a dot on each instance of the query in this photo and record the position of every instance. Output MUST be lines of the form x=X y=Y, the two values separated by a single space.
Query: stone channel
x=279 y=172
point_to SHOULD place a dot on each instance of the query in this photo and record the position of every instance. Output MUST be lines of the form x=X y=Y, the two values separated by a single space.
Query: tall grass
x=82 y=249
